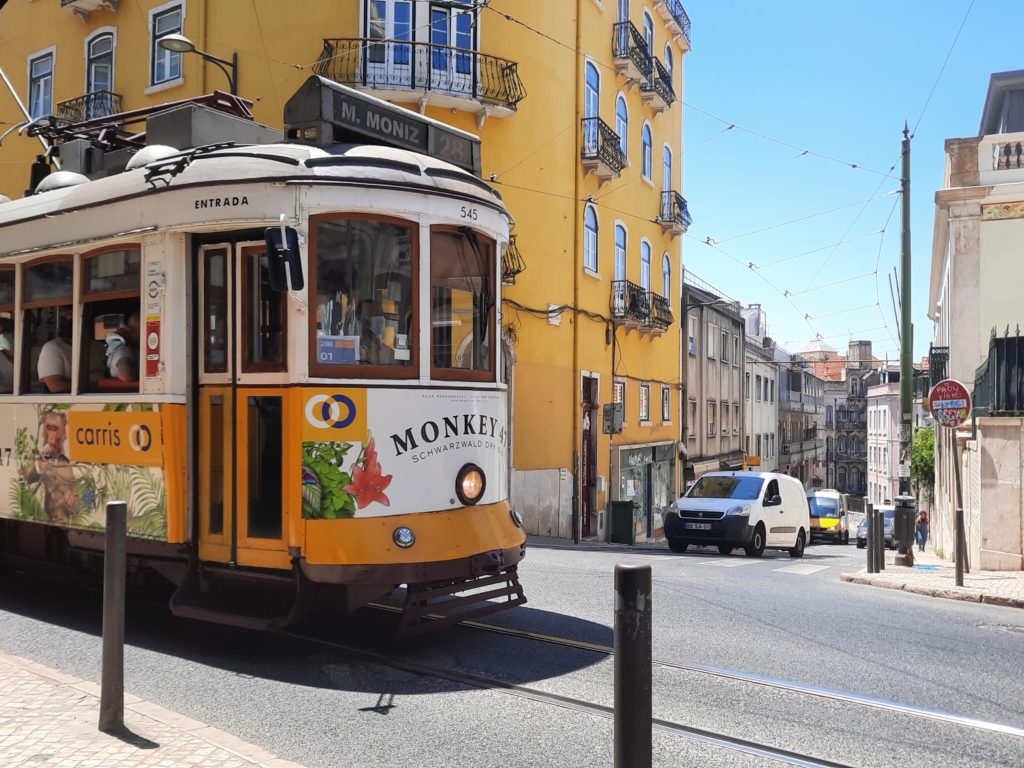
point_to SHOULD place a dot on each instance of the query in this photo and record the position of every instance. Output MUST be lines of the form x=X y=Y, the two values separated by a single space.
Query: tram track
x=468 y=679
x=754 y=679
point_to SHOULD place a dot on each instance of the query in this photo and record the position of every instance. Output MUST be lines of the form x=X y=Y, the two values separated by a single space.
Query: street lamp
x=181 y=44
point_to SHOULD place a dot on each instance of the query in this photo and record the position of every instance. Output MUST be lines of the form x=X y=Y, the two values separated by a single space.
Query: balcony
x=90 y=106
x=511 y=263
x=441 y=75
x=629 y=49
x=675 y=215
x=675 y=17
x=656 y=91
x=661 y=313
x=601 y=148
x=938 y=363
x=84 y=7
x=1007 y=156
x=630 y=302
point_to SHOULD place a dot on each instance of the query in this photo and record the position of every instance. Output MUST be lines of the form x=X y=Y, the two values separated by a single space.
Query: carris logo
x=337 y=411
x=140 y=438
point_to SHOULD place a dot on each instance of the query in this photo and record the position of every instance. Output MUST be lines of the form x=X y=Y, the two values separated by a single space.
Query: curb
x=955 y=593
x=213 y=736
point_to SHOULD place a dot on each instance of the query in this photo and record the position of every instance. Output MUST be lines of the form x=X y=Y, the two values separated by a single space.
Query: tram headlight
x=470 y=484
x=404 y=537
x=516 y=517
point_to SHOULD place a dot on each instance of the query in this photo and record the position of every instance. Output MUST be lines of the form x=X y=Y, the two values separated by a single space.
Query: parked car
x=828 y=515
x=752 y=510
x=889 y=525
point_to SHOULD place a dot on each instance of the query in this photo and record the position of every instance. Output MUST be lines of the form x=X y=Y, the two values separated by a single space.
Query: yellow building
x=579 y=107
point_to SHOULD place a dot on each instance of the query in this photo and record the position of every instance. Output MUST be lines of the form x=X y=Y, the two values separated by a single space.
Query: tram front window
x=364 y=274
x=461 y=303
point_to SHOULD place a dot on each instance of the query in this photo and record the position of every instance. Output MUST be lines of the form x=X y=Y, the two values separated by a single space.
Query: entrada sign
x=949 y=403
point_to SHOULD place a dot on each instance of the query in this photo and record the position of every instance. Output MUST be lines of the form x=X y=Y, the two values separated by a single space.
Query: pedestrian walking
x=922 y=529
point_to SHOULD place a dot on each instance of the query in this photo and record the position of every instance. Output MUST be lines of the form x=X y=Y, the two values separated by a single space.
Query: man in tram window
x=53 y=470
x=123 y=348
x=54 y=364
x=6 y=355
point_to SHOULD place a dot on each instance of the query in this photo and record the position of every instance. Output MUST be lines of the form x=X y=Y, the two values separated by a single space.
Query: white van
x=752 y=510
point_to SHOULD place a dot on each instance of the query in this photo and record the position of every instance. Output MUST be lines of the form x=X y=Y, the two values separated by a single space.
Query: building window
x=746 y=386
x=757 y=444
x=769 y=393
x=622 y=125
x=619 y=395
x=735 y=418
x=590 y=229
x=666 y=168
x=711 y=341
x=166 y=64
x=668 y=63
x=771 y=448
x=666 y=404
x=647 y=152
x=725 y=418
x=645 y=403
x=712 y=409
x=828 y=415
x=691 y=417
x=735 y=350
x=725 y=346
x=620 y=252
x=100 y=72
x=645 y=266
x=692 y=324
x=757 y=389
x=40 y=85
x=591 y=107
x=666 y=277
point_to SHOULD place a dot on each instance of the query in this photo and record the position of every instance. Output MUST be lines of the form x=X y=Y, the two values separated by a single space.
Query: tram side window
x=6 y=331
x=109 y=352
x=365 y=278
x=461 y=303
x=46 y=327
x=264 y=315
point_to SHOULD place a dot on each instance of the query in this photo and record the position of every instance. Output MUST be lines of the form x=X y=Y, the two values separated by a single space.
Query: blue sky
x=838 y=80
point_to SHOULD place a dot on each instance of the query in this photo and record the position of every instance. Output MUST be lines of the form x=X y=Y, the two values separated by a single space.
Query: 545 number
x=470 y=214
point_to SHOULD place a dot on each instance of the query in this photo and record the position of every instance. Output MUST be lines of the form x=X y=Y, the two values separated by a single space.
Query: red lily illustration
x=367 y=482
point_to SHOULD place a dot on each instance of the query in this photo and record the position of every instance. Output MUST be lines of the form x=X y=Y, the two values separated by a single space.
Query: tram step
x=429 y=607
x=249 y=600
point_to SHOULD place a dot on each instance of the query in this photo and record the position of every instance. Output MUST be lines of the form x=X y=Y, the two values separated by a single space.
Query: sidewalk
x=48 y=718
x=937 y=578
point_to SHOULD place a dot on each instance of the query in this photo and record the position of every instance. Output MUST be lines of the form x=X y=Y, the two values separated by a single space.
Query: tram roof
x=358 y=165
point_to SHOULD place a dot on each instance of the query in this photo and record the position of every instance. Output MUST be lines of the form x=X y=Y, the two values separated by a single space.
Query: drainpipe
x=577 y=400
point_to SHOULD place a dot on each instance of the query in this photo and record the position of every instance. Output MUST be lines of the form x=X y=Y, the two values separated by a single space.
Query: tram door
x=241 y=459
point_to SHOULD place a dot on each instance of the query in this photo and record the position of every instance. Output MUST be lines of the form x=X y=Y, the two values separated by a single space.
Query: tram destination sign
x=949 y=403
x=326 y=113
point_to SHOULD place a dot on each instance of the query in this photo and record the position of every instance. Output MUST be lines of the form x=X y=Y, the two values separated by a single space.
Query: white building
x=976 y=278
x=761 y=406
x=883 y=442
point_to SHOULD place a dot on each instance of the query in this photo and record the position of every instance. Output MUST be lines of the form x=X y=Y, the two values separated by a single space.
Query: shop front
x=646 y=476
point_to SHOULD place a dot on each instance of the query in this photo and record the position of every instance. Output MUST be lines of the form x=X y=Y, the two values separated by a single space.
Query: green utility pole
x=905 y=504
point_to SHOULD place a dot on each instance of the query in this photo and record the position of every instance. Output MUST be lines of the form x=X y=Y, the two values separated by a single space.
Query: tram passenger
x=122 y=350
x=54 y=364
x=6 y=355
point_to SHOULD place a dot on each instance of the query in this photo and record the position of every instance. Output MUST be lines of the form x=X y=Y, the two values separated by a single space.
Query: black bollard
x=632 y=666
x=880 y=538
x=869 y=515
x=960 y=547
x=114 y=574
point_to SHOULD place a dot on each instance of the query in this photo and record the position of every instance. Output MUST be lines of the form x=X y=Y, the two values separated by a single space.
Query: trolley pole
x=114 y=569
x=906 y=553
x=633 y=684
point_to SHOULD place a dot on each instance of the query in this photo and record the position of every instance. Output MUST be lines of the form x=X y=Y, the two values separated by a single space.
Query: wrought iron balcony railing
x=405 y=65
x=999 y=380
x=511 y=263
x=661 y=311
x=674 y=13
x=629 y=48
x=601 y=147
x=657 y=89
x=90 y=106
x=675 y=215
x=629 y=302
x=938 y=361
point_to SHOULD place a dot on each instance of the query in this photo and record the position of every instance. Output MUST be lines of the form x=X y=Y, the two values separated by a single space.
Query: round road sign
x=950 y=403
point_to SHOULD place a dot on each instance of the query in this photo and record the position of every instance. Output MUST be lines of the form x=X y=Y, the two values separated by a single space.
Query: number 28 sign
x=950 y=403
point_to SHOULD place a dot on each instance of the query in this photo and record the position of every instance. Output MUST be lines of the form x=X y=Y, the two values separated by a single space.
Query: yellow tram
x=284 y=356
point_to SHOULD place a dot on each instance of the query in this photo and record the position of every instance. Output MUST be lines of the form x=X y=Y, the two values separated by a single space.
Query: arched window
x=648 y=151
x=666 y=168
x=668 y=63
x=622 y=124
x=590 y=238
x=666 y=277
x=649 y=33
x=645 y=265
x=842 y=444
x=100 y=76
x=591 y=108
x=841 y=474
x=623 y=10
x=620 y=252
